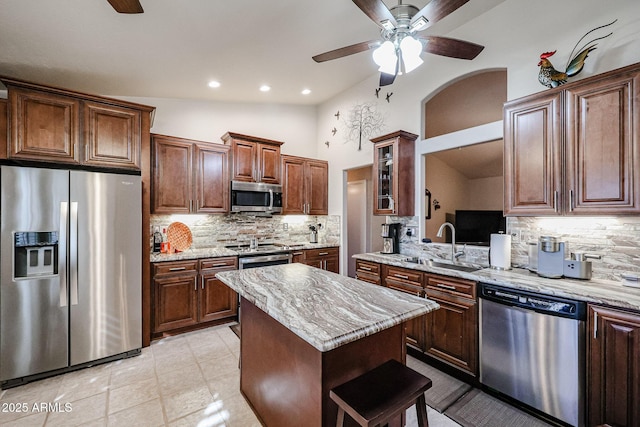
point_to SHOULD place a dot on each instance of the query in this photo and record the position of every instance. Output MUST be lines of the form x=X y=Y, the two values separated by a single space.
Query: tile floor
x=187 y=380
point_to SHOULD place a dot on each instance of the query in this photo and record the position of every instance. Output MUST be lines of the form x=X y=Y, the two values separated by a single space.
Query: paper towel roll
x=500 y=251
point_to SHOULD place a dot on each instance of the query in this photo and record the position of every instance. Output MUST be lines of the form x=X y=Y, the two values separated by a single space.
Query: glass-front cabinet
x=394 y=178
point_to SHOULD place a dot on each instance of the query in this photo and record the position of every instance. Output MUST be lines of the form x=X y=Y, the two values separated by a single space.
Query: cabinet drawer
x=367 y=267
x=366 y=277
x=324 y=252
x=226 y=263
x=458 y=287
x=175 y=267
x=405 y=287
x=411 y=276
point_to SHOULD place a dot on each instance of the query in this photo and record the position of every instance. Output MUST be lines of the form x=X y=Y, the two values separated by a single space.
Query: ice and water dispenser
x=35 y=254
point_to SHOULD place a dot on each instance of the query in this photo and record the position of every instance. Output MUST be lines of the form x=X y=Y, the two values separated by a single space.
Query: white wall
x=208 y=120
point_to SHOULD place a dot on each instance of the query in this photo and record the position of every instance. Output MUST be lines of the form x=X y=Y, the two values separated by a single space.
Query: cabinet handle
x=86 y=151
x=221 y=264
x=362 y=267
x=177 y=268
x=302 y=208
x=555 y=201
x=202 y=282
x=297 y=253
x=401 y=276
x=323 y=253
x=595 y=325
x=197 y=204
x=443 y=286
x=571 y=201
x=195 y=283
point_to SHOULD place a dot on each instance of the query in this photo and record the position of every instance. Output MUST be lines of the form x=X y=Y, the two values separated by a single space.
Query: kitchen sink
x=439 y=264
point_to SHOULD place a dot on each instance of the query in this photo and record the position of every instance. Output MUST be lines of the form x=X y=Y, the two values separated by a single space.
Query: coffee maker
x=391 y=238
x=551 y=255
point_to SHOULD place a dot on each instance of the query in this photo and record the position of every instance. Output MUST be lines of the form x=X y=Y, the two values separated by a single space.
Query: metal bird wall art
x=550 y=77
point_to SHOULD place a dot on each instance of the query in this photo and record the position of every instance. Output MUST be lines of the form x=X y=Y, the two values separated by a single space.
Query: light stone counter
x=593 y=291
x=325 y=309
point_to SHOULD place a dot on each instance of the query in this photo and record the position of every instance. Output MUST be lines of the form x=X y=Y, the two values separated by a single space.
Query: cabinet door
x=172 y=176
x=212 y=179
x=613 y=367
x=317 y=187
x=217 y=300
x=175 y=302
x=602 y=144
x=44 y=126
x=297 y=256
x=112 y=136
x=244 y=160
x=3 y=128
x=385 y=185
x=332 y=264
x=451 y=331
x=268 y=164
x=293 y=198
x=533 y=156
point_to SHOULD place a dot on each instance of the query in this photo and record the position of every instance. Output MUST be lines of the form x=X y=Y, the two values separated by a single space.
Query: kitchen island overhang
x=306 y=330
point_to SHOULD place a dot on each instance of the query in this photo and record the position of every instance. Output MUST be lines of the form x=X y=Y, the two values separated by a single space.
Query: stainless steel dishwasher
x=532 y=348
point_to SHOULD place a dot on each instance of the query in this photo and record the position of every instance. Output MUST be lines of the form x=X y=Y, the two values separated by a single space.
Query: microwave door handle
x=270 y=200
x=62 y=252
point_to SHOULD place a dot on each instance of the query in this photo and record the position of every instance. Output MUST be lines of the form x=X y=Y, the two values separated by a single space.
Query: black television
x=474 y=227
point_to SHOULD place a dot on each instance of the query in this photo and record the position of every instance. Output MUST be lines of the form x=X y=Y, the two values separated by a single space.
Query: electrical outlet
x=285 y=226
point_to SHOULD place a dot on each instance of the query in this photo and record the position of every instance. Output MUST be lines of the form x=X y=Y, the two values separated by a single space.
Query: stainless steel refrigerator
x=70 y=269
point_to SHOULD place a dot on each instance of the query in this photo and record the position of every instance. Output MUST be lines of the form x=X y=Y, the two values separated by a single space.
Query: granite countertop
x=222 y=251
x=593 y=291
x=325 y=309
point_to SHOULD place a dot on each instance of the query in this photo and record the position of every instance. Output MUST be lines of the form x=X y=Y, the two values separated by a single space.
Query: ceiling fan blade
x=126 y=6
x=435 y=10
x=346 y=51
x=376 y=10
x=453 y=48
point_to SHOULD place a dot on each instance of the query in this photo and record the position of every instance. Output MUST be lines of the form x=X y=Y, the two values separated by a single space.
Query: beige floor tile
x=132 y=395
x=220 y=367
x=123 y=375
x=237 y=413
x=225 y=386
x=172 y=362
x=32 y=420
x=81 y=412
x=84 y=383
x=205 y=418
x=26 y=396
x=146 y=414
x=185 y=378
x=186 y=402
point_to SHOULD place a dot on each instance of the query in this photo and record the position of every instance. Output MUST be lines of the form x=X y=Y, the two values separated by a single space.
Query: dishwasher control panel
x=533 y=301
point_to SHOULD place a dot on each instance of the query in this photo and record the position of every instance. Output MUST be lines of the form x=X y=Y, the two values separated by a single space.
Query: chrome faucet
x=454 y=255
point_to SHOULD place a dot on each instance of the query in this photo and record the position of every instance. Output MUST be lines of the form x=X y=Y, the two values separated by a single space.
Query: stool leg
x=340 y=420
x=421 y=408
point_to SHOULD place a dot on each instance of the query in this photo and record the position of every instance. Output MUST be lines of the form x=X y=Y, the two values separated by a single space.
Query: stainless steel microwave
x=256 y=197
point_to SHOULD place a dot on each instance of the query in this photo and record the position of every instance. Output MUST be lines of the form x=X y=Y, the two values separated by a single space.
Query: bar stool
x=381 y=394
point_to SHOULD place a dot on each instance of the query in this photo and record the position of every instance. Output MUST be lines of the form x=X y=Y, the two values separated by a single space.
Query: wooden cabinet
x=574 y=149
x=393 y=166
x=57 y=125
x=368 y=271
x=305 y=186
x=613 y=367
x=189 y=176
x=254 y=159
x=325 y=258
x=452 y=331
x=410 y=282
x=3 y=128
x=187 y=294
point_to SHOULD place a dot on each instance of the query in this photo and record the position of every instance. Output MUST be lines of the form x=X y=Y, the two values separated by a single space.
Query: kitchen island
x=306 y=330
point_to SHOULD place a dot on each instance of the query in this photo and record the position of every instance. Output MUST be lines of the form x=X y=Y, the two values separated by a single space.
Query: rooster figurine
x=550 y=77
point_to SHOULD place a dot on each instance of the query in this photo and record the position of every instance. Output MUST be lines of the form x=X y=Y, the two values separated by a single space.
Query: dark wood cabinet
x=613 y=367
x=452 y=331
x=368 y=271
x=3 y=128
x=574 y=149
x=305 y=186
x=325 y=259
x=253 y=159
x=410 y=282
x=187 y=294
x=189 y=176
x=61 y=126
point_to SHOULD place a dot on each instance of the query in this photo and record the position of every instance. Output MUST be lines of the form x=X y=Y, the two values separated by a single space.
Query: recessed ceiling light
x=214 y=83
x=306 y=91
x=265 y=88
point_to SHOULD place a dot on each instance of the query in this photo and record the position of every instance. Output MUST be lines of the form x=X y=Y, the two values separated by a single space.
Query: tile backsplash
x=220 y=230
x=615 y=239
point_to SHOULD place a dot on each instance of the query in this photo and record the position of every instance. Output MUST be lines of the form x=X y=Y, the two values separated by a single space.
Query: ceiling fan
x=400 y=47
x=126 y=6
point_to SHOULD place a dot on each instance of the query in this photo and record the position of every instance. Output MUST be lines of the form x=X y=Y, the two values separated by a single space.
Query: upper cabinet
x=574 y=149
x=189 y=176
x=56 y=125
x=305 y=186
x=393 y=164
x=3 y=128
x=254 y=159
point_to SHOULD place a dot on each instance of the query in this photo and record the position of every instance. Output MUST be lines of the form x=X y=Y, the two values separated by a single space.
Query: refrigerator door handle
x=62 y=253
x=73 y=253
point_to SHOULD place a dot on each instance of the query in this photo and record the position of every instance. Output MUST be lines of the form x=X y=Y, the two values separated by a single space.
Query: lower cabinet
x=368 y=272
x=613 y=367
x=325 y=258
x=452 y=331
x=187 y=294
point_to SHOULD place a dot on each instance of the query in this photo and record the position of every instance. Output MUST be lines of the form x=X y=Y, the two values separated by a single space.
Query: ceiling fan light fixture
x=411 y=49
x=419 y=24
x=385 y=57
x=387 y=25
